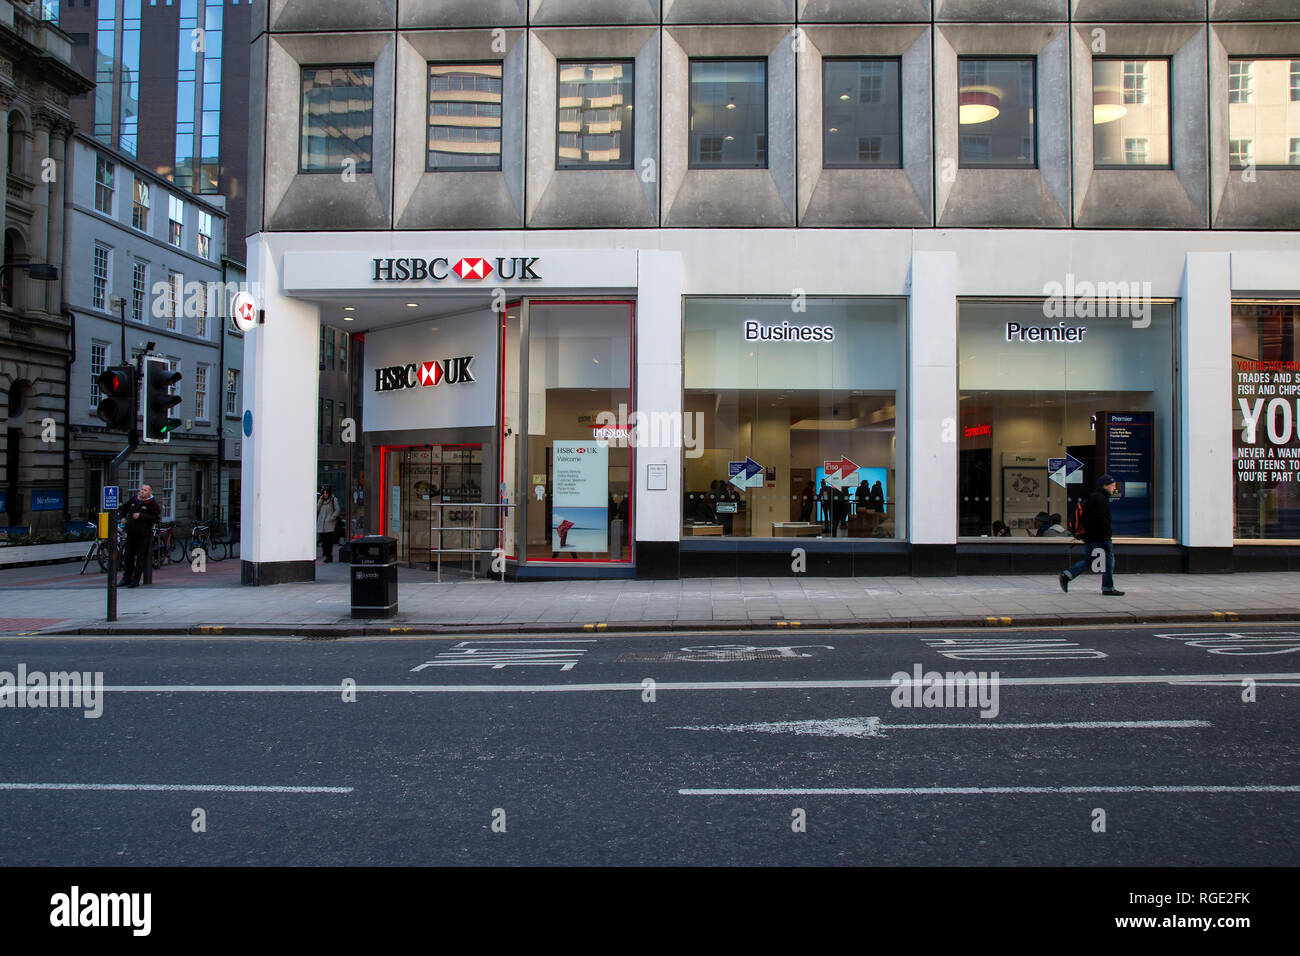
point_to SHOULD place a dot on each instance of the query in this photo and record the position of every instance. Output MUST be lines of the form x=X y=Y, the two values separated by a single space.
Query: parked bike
x=201 y=537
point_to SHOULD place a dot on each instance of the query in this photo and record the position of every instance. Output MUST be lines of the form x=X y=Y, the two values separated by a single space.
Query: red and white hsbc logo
x=467 y=269
x=453 y=371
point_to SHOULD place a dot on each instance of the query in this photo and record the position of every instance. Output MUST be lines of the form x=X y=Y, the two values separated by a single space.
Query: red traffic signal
x=117 y=408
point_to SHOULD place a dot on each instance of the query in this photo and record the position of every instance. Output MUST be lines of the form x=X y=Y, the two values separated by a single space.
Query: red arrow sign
x=843 y=466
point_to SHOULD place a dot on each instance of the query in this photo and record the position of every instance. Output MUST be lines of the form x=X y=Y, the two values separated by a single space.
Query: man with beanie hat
x=1096 y=537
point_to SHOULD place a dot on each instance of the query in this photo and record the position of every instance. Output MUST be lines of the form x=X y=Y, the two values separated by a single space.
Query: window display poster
x=580 y=496
x=1024 y=492
x=1266 y=447
x=1126 y=440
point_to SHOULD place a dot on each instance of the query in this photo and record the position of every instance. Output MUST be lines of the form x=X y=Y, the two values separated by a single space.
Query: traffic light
x=117 y=408
x=158 y=400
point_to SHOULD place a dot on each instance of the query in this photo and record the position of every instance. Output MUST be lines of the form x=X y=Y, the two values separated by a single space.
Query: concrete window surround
x=884 y=197
x=1015 y=10
x=1002 y=197
x=457 y=199
x=728 y=197
x=1272 y=199
x=333 y=14
x=580 y=12
x=1147 y=198
x=1151 y=10
x=295 y=200
x=593 y=197
x=728 y=11
x=864 y=11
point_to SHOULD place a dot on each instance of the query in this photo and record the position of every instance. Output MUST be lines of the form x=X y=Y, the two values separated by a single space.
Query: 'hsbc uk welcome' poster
x=580 y=497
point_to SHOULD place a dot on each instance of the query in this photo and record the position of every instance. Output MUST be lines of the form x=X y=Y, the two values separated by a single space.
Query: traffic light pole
x=111 y=474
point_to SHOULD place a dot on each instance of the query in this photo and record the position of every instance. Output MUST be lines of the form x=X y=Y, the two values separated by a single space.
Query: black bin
x=374 y=576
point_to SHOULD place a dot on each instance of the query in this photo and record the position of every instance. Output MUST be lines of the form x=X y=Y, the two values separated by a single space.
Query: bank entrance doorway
x=429 y=494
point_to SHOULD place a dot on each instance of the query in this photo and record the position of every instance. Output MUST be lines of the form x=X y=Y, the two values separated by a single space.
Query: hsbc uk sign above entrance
x=464 y=269
x=453 y=371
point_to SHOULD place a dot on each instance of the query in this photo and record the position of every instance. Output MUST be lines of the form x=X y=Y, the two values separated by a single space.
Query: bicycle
x=201 y=537
x=168 y=544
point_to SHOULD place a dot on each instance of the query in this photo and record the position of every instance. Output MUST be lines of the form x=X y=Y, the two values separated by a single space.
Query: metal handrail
x=439 y=551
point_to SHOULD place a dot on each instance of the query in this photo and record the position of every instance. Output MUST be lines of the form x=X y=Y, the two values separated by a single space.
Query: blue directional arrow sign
x=745 y=474
x=1065 y=471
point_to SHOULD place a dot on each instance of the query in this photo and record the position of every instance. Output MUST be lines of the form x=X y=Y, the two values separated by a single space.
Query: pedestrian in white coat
x=327 y=522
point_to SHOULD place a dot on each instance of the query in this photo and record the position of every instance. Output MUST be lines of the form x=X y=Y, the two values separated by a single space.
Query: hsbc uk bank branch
x=662 y=403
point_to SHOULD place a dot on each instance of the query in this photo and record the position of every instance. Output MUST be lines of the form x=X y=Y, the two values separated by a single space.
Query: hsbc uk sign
x=467 y=269
x=453 y=371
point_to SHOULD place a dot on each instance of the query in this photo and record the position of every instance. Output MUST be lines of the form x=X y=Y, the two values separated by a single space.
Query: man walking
x=142 y=513
x=1096 y=537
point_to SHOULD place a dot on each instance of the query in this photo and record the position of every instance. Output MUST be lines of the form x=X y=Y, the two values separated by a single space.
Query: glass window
x=1055 y=393
x=175 y=291
x=140 y=206
x=329 y=349
x=343 y=351
x=862 y=117
x=1130 y=112
x=1265 y=420
x=579 y=378
x=464 y=116
x=201 y=392
x=996 y=108
x=98 y=362
x=199 y=300
x=176 y=220
x=104 y=171
x=139 y=288
x=232 y=391
x=205 y=234
x=134 y=479
x=728 y=114
x=1262 y=119
x=327 y=423
x=337 y=118
x=321 y=361
x=167 y=500
x=99 y=279
x=1295 y=81
x=794 y=418
x=594 y=118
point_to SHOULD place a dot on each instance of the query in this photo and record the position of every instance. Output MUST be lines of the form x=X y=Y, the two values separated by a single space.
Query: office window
x=175 y=287
x=201 y=392
x=1264 y=118
x=98 y=362
x=996 y=109
x=232 y=391
x=201 y=312
x=1241 y=152
x=174 y=364
x=343 y=415
x=1241 y=81
x=321 y=360
x=464 y=116
x=139 y=288
x=176 y=223
x=327 y=423
x=140 y=206
x=1295 y=151
x=104 y=171
x=728 y=114
x=205 y=234
x=862 y=118
x=167 y=500
x=134 y=479
x=343 y=351
x=99 y=279
x=1130 y=112
x=594 y=116
x=337 y=118
x=329 y=349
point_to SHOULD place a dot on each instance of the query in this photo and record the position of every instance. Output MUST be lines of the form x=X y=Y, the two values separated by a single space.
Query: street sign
x=1065 y=471
x=243 y=311
x=112 y=498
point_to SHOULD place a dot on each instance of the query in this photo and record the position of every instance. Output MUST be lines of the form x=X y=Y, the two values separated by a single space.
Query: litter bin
x=374 y=576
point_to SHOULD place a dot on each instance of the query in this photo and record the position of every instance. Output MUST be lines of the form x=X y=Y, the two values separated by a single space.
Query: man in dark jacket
x=142 y=513
x=1096 y=538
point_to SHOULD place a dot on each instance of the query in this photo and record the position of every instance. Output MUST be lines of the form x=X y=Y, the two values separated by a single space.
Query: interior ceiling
x=385 y=309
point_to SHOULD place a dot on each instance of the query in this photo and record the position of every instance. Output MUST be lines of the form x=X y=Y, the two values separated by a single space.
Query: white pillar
x=1205 y=384
x=278 y=493
x=932 y=413
x=659 y=394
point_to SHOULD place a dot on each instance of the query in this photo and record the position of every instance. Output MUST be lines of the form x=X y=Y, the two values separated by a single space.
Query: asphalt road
x=677 y=749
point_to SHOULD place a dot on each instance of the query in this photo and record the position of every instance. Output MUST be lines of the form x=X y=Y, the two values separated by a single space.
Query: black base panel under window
x=258 y=573
x=1052 y=558
x=1246 y=557
x=934 y=560
x=1207 y=560
x=658 y=560
x=769 y=558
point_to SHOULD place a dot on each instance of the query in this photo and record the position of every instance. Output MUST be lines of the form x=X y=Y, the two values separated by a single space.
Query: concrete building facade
x=671 y=284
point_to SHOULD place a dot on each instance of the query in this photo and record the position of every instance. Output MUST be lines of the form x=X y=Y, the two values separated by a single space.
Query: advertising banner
x=1125 y=441
x=580 y=497
x=1266 y=448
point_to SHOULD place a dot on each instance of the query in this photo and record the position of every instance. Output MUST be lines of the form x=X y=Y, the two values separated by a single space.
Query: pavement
x=55 y=599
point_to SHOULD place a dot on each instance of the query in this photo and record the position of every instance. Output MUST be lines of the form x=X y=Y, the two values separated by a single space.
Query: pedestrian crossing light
x=159 y=400
x=116 y=408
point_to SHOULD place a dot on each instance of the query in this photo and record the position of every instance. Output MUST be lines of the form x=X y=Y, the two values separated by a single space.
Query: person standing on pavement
x=142 y=513
x=1096 y=536
x=327 y=520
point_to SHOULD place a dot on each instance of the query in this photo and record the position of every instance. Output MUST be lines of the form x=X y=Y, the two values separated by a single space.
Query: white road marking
x=638 y=687
x=874 y=727
x=1011 y=649
x=174 y=787
x=498 y=658
x=1238 y=643
x=962 y=791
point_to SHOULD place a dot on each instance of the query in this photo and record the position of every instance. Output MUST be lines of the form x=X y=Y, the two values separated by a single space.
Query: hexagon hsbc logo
x=472 y=268
x=466 y=269
x=453 y=371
